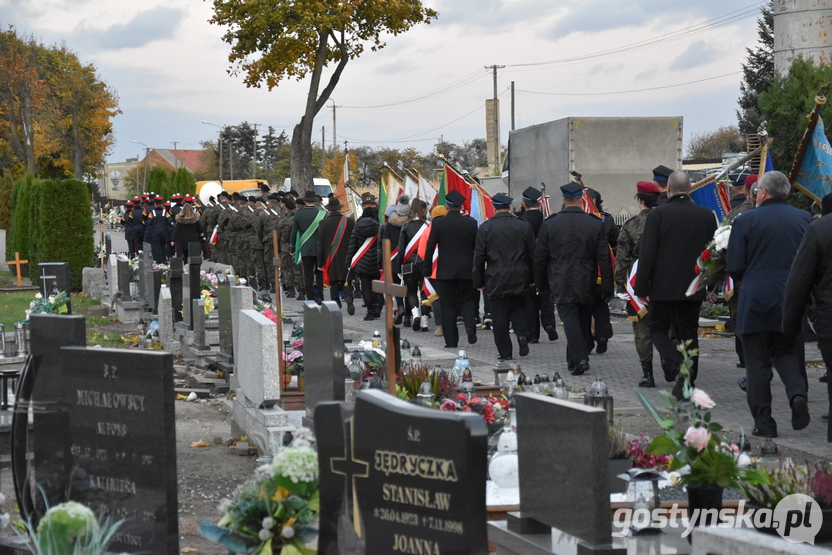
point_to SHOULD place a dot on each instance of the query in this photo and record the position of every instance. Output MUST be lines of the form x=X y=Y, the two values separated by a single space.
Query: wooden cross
x=278 y=310
x=17 y=262
x=390 y=290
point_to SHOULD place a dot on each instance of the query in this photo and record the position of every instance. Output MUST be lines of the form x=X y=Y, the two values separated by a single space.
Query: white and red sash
x=365 y=247
x=413 y=245
x=427 y=287
x=640 y=309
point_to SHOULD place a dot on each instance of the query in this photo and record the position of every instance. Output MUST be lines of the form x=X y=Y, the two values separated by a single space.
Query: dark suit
x=542 y=311
x=571 y=247
x=456 y=237
x=338 y=266
x=674 y=236
x=503 y=265
x=761 y=250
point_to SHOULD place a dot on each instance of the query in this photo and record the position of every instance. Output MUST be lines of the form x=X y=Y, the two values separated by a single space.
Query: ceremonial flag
x=713 y=196
x=426 y=192
x=815 y=168
x=411 y=186
x=544 y=204
x=765 y=162
x=477 y=201
x=455 y=182
x=440 y=197
x=639 y=308
x=341 y=186
x=382 y=199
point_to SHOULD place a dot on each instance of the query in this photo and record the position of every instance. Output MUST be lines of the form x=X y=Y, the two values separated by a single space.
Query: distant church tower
x=802 y=27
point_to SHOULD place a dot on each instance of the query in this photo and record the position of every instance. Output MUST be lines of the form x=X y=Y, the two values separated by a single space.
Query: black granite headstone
x=402 y=485
x=224 y=310
x=175 y=286
x=323 y=354
x=125 y=276
x=108 y=249
x=54 y=277
x=193 y=290
x=145 y=267
x=156 y=287
x=119 y=443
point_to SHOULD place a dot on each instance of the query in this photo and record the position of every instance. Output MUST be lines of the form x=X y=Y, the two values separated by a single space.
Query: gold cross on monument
x=390 y=290
x=278 y=310
x=17 y=262
x=351 y=468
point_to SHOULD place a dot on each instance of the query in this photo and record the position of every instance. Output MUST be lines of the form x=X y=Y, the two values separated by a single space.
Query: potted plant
x=620 y=462
x=813 y=480
x=707 y=465
x=71 y=528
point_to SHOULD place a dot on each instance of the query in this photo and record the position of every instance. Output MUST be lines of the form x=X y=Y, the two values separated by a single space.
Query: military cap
x=129 y=203
x=177 y=196
x=571 y=190
x=647 y=187
x=454 y=198
x=661 y=173
x=531 y=195
x=751 y=180
x=501 y=201
x=274 y=196
x=594 y=195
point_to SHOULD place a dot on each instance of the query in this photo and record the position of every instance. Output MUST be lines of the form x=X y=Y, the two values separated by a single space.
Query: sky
x=585 y=58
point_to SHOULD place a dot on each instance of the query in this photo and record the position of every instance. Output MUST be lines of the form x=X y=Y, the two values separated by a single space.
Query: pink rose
x=448 y=405
x=697 y=438
x=701 y=399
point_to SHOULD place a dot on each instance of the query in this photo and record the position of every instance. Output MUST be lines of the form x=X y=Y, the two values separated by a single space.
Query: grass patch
x=13 y=307
x=82 y=300
x=96 y=336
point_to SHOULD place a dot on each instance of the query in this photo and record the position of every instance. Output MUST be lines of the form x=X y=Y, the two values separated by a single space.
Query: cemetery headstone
x=156 y=285
x=125 y=276
x=390 y=483
x=224 y=312
x=551 y=474
x=241 y=299
x=257 y=369
x=323 y=354
x=198 y=319
x=112 y=279
x=194 y=288
x=108 y=249
x=54 y=278
x=175 y=286
x=145 y=267
x=166 y=318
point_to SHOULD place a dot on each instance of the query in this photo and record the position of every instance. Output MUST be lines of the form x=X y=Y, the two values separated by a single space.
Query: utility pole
x=512 y=105
x=323 y=151
x=254 y=171
x=495 y=158
x=334 y=128
x=231 y=158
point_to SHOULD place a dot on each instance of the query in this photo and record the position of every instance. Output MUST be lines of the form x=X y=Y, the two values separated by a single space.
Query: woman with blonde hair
x=187 y=230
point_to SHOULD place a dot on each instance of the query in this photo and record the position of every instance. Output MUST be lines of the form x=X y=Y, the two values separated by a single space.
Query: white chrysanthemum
x=38 y=296
x=268 y=523
x=303 y=437
x=264 y=535
x=299 y=464
x=288 y=532
x=225 y=505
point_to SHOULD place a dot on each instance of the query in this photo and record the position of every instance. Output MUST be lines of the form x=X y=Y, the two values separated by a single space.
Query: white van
x=322 y=187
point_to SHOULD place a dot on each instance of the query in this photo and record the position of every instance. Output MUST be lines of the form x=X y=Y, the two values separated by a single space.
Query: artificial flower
x=697 y=438
x=701 y=399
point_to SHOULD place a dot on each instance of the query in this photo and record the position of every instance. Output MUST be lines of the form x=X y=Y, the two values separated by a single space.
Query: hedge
x=51 y=221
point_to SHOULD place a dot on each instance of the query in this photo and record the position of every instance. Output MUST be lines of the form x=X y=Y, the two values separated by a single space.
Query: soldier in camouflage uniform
x=258 y=244
x=235 y=226
x=270 y=218
x=626 y=255
x=291 y=273
x=208 y=220
x=223 y=231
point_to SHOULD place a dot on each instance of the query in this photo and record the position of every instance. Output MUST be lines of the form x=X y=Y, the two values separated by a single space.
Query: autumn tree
x=715 y=144
x=272 y=41
x=757 y=73
x=22 y=93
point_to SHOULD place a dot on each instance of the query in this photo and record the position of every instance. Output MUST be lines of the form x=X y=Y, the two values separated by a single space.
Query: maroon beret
x=647 y=187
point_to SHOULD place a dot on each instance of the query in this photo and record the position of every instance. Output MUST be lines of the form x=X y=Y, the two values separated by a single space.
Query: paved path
x=620 y=369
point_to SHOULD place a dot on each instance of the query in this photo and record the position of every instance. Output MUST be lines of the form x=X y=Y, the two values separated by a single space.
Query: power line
x=631 y=90
x=464 y=80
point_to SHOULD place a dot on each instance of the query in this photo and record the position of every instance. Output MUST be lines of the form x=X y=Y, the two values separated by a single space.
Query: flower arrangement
x=208 y=301
x=814 y=480
x=208 y=280
x=410 y=381
x=53 y=304
x=493 y=410
x=710 y=266
x=637 y=451
x=71 y=528
x=294 y=359
x=618 y=444
x=701 y=458
x=276 y=511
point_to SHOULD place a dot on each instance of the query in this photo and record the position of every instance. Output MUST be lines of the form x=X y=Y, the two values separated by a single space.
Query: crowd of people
x=520 y=267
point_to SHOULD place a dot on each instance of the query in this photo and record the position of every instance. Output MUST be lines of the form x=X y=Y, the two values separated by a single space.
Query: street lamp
x=220 y=140
x=146 y=154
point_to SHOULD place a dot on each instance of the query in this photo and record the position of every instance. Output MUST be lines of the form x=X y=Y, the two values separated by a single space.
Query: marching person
x=674 y=236
x=600 y=306
x=335 y=231
x=410 y=263
x=571 y=248
x=542 y=312
x=661 y=174
x=647 y=195
x=156 y=221
x=304 y=244
x=761 y=249
x=504 y=270
x=186 y=231
x=362 y=257
x=455 y=235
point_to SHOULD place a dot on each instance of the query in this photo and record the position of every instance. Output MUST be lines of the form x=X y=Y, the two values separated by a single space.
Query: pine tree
x=758 y=73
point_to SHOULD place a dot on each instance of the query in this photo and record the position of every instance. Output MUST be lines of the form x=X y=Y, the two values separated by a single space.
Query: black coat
x=391 y=229
x=663 y=198
x=368 y=265
x=674 y=236
x=133 y=224
x=810 y=281
x=535 y=218
x=186 y=233
x=456 y=237
x=504 y=256
x=611 y=229
x=571 y=247
x=329 y=225
x=761 y=249
x=409 y=231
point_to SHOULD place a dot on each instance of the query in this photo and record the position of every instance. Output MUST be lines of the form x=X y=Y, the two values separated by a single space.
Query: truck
x=611 y=154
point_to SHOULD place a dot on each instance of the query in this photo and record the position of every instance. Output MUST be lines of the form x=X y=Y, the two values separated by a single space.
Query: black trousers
x=312 y=273
x=762 y=351
x=825 y=346
x=413 y=280
x=577 y=322
x=458 y=297
x=372 y=301
x=157 y=246
x=684 y=317
x=507 y=312
x=601 y=313
x=335 y=288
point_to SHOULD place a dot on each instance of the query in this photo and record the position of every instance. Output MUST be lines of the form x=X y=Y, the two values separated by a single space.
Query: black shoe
x=524 y=346
x=647 y=381
x=472 y=335
x=350 y=304
x=399 y=317
x=369 y=316
x=825 y=417
x=602 y=346
x=583 y=366
x=669 y=372
x=571 y=367
x=300 y=297
x=823 y=378
x=647 y=375
x=533 y=340
x=740 y=364
x=760 y=433
x=553 y=333
x=742 y=382
x=800 y=413
x=450 y=346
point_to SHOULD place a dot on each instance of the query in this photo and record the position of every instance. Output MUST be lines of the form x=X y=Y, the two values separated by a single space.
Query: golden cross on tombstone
x=278 y=309
x=351 y=468
x=17 y=262
x=390 y=290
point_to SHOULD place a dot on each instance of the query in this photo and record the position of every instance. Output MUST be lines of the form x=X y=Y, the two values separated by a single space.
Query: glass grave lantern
x=599 y=396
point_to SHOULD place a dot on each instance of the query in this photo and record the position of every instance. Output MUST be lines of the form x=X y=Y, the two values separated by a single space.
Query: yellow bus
x=213 y=188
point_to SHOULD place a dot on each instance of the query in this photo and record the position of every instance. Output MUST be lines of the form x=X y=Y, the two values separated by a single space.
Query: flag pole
x=820 y=100
x=713 y=177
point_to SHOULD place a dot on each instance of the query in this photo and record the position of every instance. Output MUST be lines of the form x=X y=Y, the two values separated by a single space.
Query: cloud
x=697 y=54
x=148 y=26
x=492 y=13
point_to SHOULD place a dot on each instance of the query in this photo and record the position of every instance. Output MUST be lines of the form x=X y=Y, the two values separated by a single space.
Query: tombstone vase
x=703 y=497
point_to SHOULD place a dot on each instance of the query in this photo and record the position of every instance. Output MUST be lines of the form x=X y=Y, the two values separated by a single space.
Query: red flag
x=341 y=186
x=455 y=182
